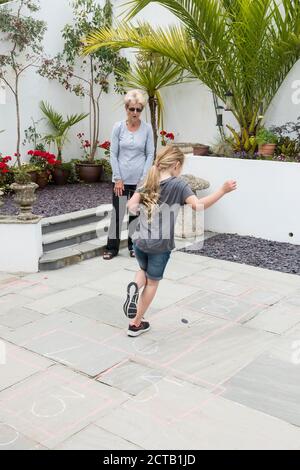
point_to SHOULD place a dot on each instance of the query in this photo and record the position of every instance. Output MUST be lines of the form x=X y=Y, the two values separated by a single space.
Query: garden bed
x=56 y=200
x=267 y=254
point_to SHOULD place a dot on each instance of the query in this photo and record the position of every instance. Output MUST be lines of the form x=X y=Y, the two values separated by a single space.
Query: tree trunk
x=153 y=115
x=18 y=123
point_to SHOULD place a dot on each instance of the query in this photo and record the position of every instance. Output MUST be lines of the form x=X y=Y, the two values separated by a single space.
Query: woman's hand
x=229 y=186
x=119 y=188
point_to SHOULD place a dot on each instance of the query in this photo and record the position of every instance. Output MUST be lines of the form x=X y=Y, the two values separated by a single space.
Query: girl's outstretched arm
x=134 y=203
x=207 y=201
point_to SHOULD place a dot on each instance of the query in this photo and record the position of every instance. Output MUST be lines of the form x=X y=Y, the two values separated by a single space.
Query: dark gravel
x=283 y=257
x=56 y=200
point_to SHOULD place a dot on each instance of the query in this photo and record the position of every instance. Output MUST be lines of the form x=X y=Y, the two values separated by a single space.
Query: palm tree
x=151 y=73
x=246 y=47
x=59 y=126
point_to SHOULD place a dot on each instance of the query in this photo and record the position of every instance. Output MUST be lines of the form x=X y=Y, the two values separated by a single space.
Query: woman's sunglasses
x=138 y=110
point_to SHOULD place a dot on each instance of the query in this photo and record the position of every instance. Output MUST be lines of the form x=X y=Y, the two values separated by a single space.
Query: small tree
x=86 y=76
x=24 y=35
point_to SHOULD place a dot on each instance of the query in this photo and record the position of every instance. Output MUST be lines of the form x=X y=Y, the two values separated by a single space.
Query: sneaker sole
x=130 y=305
x=133 y=334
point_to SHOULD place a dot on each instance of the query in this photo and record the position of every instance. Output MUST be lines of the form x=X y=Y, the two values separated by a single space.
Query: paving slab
x=38 y=290
x=270 y=384
x=206 y=421
x=131 y=377
x=16 y=286
x=16 y=364
x=223 y=306
x=224 y=287
x=11 y=439
x=10 y=301
x=278 y=318
x=53 y=405
x=54 y=302
x=212 y=351
x=19 y=316
x=94 y=438
x=103 y=308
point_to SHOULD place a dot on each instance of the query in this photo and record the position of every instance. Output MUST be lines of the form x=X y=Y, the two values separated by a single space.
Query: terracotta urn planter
x=25 y=197
x=89 y=172
x=201 y=150
x=267 y=150
x=42 y=179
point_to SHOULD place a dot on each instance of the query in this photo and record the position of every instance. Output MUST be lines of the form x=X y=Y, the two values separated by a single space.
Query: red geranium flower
x=170 y=136
x=105 y=145
x=163 y=133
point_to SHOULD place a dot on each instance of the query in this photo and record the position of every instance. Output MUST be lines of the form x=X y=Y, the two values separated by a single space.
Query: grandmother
x=131 y=155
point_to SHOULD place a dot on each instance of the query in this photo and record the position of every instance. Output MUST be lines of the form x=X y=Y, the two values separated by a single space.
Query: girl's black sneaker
x=130 y=305
x=138 y=330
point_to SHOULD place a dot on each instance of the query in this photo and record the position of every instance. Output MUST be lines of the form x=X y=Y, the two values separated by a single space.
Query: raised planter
x=266 y=203
x=20 y=244
x=89 y=172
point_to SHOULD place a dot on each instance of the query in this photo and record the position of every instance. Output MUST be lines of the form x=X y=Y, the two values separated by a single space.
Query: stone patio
x=219 y=369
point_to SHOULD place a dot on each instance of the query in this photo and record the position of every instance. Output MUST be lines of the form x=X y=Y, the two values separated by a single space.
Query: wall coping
x=9 y=219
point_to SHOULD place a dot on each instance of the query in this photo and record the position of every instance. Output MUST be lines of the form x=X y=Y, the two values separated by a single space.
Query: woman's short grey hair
x=135 y=96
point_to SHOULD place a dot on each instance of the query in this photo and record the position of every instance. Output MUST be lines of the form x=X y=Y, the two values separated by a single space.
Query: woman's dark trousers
x=117 y=217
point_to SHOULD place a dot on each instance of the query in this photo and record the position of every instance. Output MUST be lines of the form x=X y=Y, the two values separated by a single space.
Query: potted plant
x=32 y=170
x=44 y=162
x=200 y=149
x=60 y=128
x=86 y=76
x=267 y=141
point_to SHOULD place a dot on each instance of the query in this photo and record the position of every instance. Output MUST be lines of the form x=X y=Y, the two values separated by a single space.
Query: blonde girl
x=158 y=202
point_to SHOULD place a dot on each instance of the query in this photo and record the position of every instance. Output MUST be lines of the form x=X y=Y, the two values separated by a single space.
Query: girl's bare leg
x=145 y=300
x=140 y=279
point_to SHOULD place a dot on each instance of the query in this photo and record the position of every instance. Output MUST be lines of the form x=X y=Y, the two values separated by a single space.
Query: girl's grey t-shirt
x=131 y=153
x=157 y=236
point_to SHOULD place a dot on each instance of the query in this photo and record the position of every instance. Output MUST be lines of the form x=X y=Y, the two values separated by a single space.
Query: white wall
x=189 y=111
x=266 y=203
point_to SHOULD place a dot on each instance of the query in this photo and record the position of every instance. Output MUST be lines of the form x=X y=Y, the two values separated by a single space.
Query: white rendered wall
x=20 y=247
x=266 y=203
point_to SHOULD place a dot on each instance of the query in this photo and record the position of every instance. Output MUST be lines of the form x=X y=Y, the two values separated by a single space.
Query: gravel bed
x=277 y=256
x=56 y=200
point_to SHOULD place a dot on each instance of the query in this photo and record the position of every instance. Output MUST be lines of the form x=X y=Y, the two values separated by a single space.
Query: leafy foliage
x=59 y=126
x=92 y=79
x=245 y=46
x=24 y=36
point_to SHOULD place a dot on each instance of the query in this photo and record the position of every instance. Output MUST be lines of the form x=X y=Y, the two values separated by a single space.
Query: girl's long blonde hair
x=150 y=190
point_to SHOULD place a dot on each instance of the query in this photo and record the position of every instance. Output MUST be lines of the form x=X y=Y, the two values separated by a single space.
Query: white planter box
x=266 y=203
x=20 y=245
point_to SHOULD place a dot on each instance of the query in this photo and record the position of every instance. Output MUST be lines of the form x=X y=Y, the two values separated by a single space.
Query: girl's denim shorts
x=154 y=264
